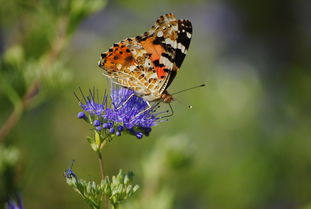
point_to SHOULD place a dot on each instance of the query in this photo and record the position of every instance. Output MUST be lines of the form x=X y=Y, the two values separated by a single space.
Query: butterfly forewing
x=148 y=63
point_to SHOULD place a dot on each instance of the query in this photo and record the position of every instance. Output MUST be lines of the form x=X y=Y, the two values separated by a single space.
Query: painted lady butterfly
x=147 y=64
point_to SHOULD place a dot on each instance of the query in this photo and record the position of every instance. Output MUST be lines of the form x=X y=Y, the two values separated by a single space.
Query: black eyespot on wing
x=158 y=40
x=157 y=63
x=129 y=58
x=138 y=38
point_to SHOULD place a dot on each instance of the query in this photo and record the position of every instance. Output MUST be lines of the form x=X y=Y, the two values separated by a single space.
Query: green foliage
x=8 y=157
x=120 y=188
x=35 y=57
x=116 y=190
x=32 y=66
x=97 y=142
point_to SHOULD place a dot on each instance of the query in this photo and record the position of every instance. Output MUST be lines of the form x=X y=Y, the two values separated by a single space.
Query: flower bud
x=81 y=115
x=139 y=135
x=96 y=123
x=98 y=128
x=120 y=128
x=111 y=130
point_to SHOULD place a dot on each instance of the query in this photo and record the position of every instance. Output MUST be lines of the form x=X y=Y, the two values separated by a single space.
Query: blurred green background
x=244 y=144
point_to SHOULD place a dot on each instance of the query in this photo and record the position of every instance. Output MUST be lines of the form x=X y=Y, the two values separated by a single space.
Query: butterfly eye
x=103 y=55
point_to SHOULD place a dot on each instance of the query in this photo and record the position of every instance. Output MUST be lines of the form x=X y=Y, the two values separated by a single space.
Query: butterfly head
x=166 y=97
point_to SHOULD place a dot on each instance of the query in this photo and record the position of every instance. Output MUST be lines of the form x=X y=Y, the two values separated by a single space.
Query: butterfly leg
x=143 y=111
x=171 y=113
x=125 y=101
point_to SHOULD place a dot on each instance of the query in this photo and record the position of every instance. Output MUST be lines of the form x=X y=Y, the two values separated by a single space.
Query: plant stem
x=101 y=165
x=102 y=174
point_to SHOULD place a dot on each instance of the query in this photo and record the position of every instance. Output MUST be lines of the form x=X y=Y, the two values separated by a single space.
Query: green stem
x=101 y=167
x=101 y=164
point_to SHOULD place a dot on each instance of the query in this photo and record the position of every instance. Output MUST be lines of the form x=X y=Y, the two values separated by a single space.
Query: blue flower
x=90 y=106
x=126 y=113
x=131 y=111
x=69 y=173
x=15 y=204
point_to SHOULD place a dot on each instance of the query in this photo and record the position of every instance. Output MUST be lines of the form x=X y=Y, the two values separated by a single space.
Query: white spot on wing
x=147 y=63
x=133 y=52
x=171 y=42
x=188 y=35
x=166 y=62
x=119 y=66
x=181 y=47
x=160 y=34
x=132 y=67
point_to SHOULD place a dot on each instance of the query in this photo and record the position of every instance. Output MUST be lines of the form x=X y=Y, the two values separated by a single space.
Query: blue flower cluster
x=125 y=113
x=15 y=205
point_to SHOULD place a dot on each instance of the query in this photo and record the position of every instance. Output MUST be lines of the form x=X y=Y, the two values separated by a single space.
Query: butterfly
x=147 y=64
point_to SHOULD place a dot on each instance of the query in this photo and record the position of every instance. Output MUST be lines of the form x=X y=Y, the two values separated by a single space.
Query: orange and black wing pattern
x=148 y=63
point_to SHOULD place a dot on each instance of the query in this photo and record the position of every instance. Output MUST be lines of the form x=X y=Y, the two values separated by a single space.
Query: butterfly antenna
x=170 y=114
x=194 y=87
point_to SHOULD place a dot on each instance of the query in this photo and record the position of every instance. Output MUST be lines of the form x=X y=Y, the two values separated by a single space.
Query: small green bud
x=136 y=187
x=88 y=187
x=128 y=189
x=127 y=179
x=97 y=139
